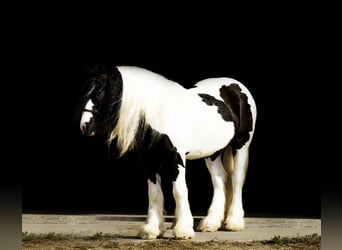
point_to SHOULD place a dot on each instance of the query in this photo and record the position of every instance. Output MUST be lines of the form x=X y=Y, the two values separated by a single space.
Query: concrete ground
x=126 y=227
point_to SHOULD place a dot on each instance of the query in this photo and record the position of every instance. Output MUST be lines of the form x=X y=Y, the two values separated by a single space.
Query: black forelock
x=110 y=92
x=103 y=85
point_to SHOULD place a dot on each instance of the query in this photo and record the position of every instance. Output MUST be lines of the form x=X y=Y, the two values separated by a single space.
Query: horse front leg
x=154 y=222
x=183 y=228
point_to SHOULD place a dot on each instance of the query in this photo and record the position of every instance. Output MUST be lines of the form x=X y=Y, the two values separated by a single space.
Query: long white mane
x=144 y=98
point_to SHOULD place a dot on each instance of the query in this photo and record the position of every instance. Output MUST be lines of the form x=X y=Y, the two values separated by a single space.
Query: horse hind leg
x=213 y=221
x=236 y=166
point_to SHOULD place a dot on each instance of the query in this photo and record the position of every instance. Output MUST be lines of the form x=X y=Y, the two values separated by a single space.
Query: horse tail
x=237 y=104
x=228 y=159
x=228 y=164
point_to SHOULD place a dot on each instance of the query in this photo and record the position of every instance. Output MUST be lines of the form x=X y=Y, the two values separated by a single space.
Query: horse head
x=101 y=100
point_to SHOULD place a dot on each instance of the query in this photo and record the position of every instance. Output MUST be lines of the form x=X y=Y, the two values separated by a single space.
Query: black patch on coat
x=221 y=106
x=237 y=103
x=236 y=109
x=158 y=155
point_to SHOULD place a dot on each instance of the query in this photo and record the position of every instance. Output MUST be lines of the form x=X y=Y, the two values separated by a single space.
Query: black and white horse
x=168 y=124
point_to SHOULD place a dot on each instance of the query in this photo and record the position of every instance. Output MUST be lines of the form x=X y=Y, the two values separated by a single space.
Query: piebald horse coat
x=168 y=125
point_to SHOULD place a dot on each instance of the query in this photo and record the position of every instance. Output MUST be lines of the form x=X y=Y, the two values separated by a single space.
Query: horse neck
x=144 y=98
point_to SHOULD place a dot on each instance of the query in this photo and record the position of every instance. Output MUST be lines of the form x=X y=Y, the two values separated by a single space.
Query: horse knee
x=180 y=191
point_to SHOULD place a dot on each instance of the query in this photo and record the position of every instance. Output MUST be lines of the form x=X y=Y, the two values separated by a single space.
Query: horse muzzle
x=88 y=128
x=88 y=132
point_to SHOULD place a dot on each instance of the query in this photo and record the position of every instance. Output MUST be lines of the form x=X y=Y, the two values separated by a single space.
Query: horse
x=169 y=124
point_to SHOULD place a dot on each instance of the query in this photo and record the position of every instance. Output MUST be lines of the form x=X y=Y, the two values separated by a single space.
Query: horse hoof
x=208 y=226
x=149 y=232
x=184 y=233
x=234 y=224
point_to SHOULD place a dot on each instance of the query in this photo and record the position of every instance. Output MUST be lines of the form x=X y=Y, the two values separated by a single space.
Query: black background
x=71 y=173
